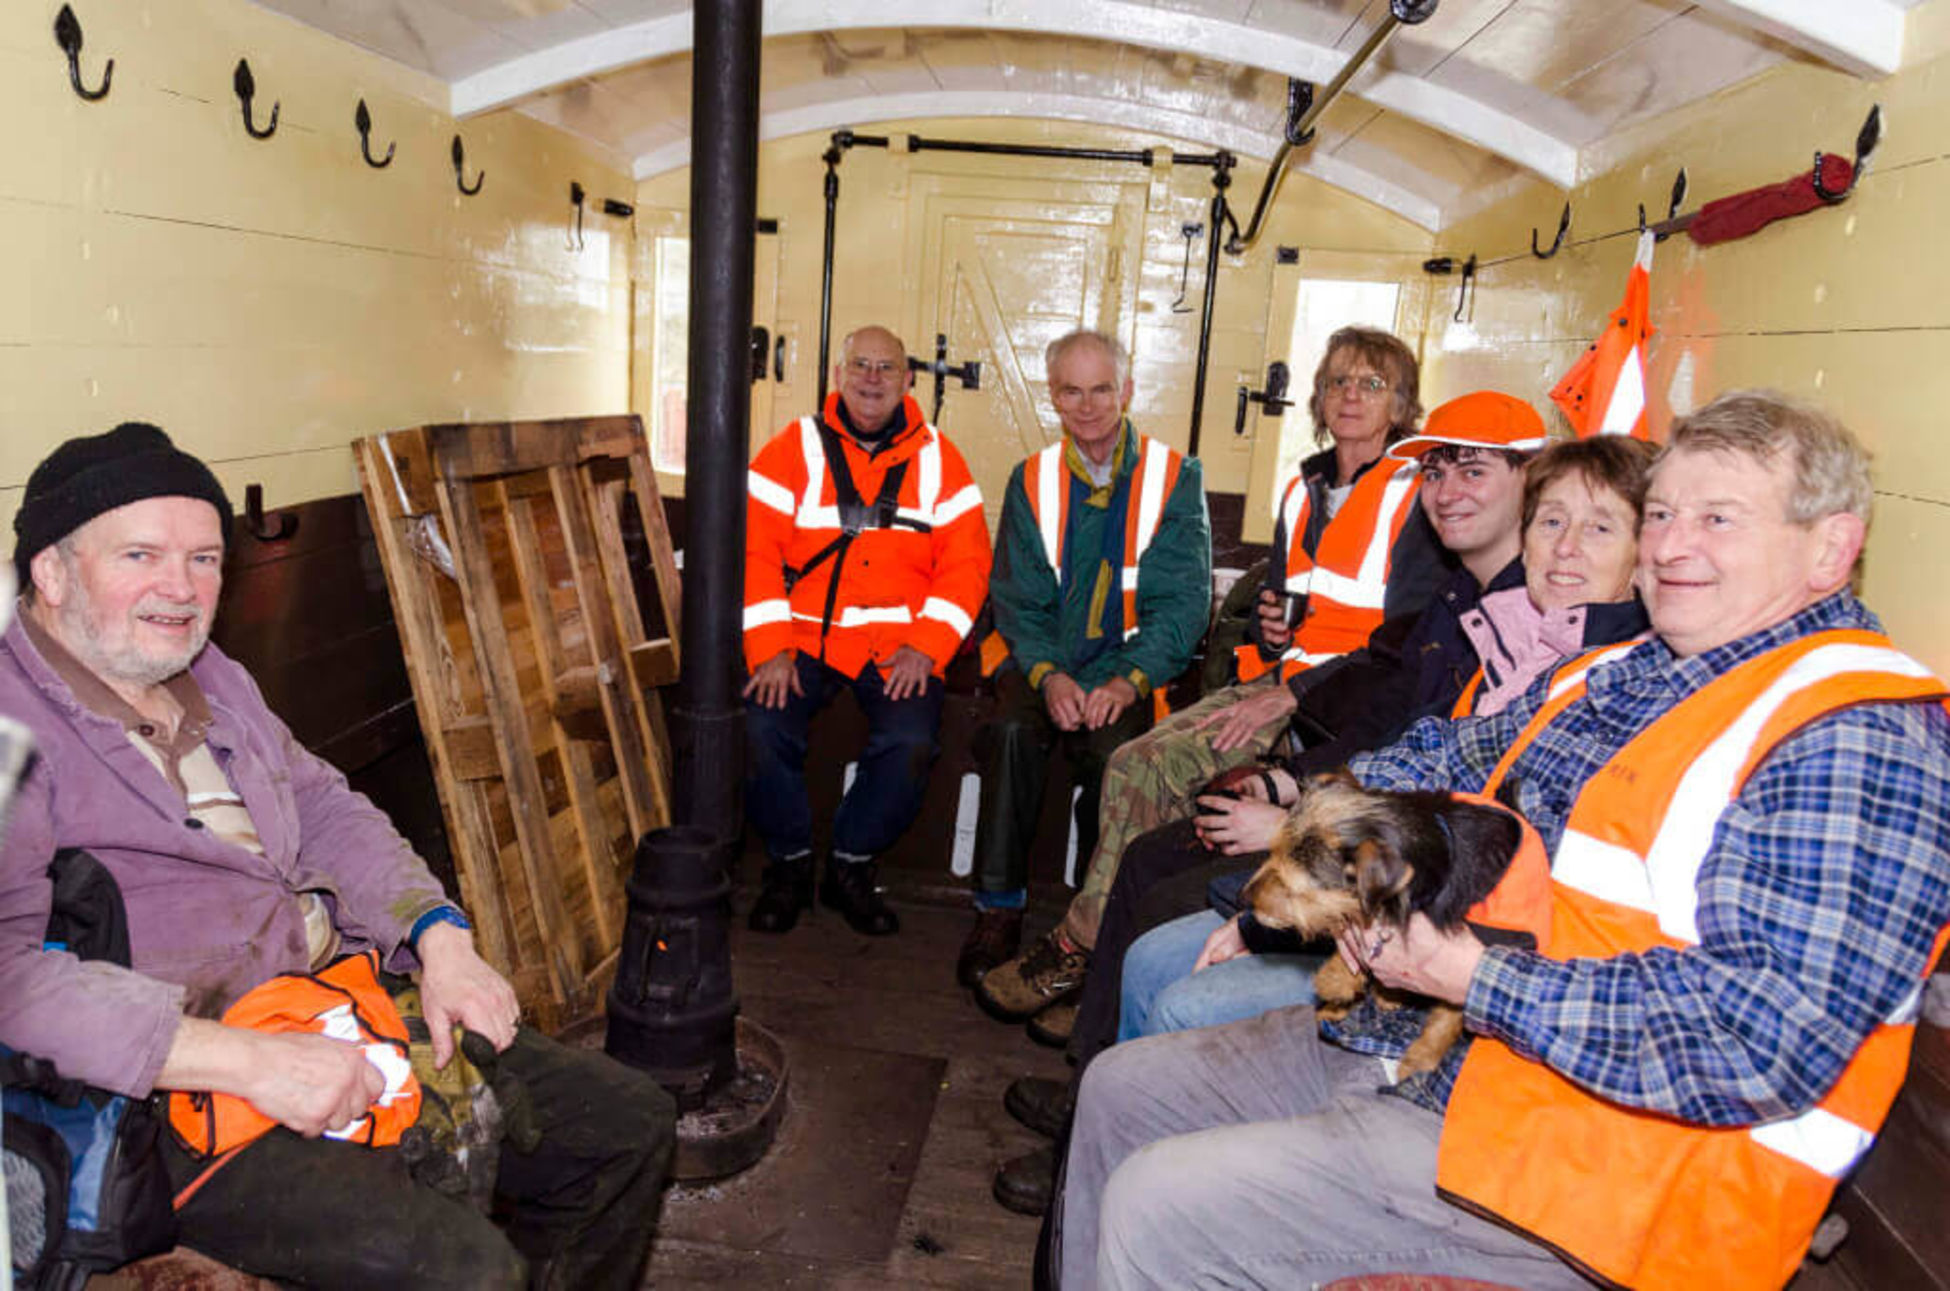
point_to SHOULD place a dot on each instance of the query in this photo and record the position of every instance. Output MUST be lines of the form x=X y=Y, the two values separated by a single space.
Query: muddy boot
x=785 y=890
x=995 y=939
x=1050 y=972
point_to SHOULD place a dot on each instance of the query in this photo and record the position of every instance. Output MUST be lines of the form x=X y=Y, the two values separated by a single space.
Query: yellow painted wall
x=268 y=302
x=1341 y=235
x=1849 y=306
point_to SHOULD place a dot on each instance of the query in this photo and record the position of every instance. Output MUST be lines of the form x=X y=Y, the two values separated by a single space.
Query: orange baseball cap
x=1484 y=419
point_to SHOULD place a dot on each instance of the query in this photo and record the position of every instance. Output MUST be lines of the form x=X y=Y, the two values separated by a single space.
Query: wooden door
x=1006 y=266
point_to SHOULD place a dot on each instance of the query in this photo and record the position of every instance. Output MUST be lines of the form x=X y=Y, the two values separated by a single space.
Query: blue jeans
x=1162 y=993
x=890 y=781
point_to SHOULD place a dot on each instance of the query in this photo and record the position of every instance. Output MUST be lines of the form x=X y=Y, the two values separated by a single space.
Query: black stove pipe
x=724 y=203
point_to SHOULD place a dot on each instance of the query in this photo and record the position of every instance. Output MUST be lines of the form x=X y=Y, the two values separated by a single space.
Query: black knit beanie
x=95 y=474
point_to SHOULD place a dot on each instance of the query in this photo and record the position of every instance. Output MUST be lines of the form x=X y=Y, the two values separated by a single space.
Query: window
x=670 y=351
x=1323 y=307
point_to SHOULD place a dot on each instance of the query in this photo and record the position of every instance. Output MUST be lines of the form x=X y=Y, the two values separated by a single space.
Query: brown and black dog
x=1352 y=855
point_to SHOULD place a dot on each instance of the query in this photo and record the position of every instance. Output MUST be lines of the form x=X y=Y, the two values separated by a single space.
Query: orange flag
x=1604 y=392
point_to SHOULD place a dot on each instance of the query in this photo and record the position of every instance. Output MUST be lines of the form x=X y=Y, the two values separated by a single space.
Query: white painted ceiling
x=1446 y=115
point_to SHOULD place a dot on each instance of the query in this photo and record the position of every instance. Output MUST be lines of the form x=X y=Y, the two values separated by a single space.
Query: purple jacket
x=208 y=920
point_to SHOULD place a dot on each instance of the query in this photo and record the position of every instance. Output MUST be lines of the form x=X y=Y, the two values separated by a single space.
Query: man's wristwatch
x=439 y=914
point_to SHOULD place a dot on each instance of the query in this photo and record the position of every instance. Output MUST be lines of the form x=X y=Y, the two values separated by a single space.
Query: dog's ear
x=1381 y=875
x=1482 y=842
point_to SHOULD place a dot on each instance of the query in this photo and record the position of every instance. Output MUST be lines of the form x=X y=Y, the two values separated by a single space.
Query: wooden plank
x=654 y=663
x=503 y=703
x=476 y=449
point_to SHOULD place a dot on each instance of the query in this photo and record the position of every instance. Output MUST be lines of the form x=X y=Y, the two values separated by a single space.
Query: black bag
x=87 y=1188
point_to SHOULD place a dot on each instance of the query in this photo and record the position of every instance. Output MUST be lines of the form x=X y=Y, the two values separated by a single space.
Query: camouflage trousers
x=1149 y=782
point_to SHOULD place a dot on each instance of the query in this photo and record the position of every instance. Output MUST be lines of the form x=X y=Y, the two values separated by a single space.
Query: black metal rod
x=1221 y=180
x=919 y=143
x=826 y=270
x=724 y=204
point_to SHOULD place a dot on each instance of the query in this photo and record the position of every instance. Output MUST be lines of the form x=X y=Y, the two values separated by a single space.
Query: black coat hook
x=460 y=170
x=575 y=198
x=67 y=34
x=1466 y=293
x=1866 y=140
x=1563 y=227
x=362 y=122
x=246 y=86
x=276 y=528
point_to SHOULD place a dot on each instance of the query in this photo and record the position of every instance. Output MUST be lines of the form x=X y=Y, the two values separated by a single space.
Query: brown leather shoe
x=995 y=939
x=1023 y=987
x=1054 y=1024
x=1041 y=1104
x=1026 y=1183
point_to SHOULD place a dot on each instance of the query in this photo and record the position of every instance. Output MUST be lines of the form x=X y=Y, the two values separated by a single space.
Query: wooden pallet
x=521 y=558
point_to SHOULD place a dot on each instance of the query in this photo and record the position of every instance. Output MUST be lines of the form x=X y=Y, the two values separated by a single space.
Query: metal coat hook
x=1190 y=233
x=460 y=170
x=67 y=34
x=279 y=526
x=575 y=231
x=1466 y=294
x=1557 y=243
x=1299 y=102
x=1866 y=140
x=362 y=122
x=246 y=86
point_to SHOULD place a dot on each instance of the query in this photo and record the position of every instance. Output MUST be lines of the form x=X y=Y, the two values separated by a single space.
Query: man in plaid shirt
x=1256 y=1154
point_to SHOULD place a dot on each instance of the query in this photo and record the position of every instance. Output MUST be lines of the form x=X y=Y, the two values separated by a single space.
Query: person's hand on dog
x=1236 y=825
x=1107 y=703
x=1237 y=723
x=1419 y=958
x=1272 y=620
x=1064 y=699
x=1224 y=943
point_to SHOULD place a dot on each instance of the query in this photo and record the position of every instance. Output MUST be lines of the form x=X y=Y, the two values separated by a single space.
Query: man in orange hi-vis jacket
x=866 y=561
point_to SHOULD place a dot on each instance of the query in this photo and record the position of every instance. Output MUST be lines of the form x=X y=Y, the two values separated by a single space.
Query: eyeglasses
x=886 y=369
x=1368 y=387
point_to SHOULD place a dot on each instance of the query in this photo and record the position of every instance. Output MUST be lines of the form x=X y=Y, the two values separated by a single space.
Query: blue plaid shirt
x=1825 y=885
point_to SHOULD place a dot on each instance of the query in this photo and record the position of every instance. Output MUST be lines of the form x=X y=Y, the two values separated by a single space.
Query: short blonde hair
x=1829 y=467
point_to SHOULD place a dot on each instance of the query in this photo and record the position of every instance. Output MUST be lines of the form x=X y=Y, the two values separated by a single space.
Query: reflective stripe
x=1602 y=870
x=1152 y=467
x=1908 y=1009
x=1627 y=396
x=854 y=616
x=969 y=499
x=1368 y=589
x=950 y=613
x=1712 y=780
x=1305 y=659
x=1575 y=677
x=1361 y=593
x=759 y=613
x=1817 y=1139
x=1127 y=579
x=1293 y=514
x=1050 y=486
x=813 y=452
x=928 y=489
x=768 y=491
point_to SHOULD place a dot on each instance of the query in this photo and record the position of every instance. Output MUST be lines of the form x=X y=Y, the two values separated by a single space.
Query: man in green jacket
x=1100 y=591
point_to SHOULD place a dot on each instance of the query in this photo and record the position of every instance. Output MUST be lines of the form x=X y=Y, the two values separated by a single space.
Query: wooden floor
x=880 y=1176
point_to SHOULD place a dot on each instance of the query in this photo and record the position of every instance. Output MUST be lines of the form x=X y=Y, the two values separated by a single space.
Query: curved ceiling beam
x=1119 y=21
x=1862 y=37
x=820 y=118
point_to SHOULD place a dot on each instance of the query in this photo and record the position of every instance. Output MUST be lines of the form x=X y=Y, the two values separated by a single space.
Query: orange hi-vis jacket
x=343 y=1001
x=1521 y=901
x=1345 y=579
x=1046 y=480
x=1639 y=1198
x=917 y=581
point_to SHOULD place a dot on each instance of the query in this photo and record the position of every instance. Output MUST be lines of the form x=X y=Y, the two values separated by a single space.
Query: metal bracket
x=1299 y=99
x=275 y=527
x=575 y=199
x=1563 y=227
x=1866 y=140
x=1273 y=398
x=969 y=373
x=1190 y=233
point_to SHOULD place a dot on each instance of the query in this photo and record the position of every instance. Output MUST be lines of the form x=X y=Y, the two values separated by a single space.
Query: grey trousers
x=1253 y=1155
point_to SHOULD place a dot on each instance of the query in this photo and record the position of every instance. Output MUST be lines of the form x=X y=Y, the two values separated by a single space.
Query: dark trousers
x=1016 y=748
x=893 y=768
x=1163 y=875
x=582 y=1206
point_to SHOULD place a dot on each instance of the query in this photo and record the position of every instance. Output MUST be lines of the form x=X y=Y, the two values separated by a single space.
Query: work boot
x=1041 y=1104
x=1018 y=990
x=785 y=890
x=1054 y=1024
x=1026 y=1183
x=995 y=939
x=849 y=888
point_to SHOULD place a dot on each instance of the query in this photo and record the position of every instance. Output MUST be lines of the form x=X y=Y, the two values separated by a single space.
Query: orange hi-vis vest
x=913 y=569
x=1345 y=580
x=1046 y=480
x=343 y=1001
x=1522 y=899
x=1465 y=705
x=1639 y=1198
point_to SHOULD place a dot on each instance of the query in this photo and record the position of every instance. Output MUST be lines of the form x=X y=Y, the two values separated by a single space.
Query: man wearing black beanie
x=241 y=858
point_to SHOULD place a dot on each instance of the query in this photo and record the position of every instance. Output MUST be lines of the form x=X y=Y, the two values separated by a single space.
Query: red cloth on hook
x=1750 y=212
